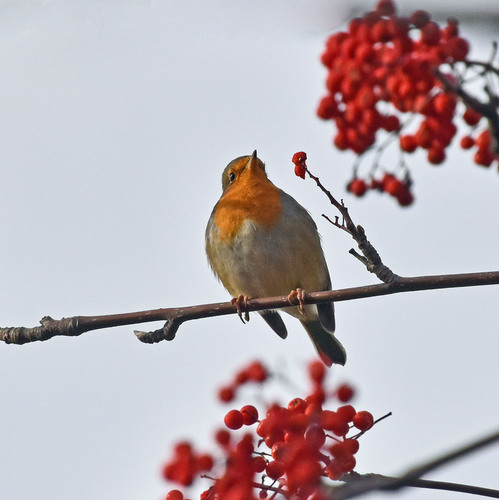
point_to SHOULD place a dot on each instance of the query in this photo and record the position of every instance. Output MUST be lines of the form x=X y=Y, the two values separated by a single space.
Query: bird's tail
x=328 y=346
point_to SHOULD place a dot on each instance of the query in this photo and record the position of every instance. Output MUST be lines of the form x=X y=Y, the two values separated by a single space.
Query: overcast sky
x=117 y=119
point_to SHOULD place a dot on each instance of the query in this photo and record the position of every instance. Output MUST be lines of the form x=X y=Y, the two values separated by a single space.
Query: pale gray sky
x=117 y=119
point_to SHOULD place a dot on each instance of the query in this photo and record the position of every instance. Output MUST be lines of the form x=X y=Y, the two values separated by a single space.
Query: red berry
x=363 y=420
x=234 y=419
x=299 y=171
x=484 y=157
x=331 y=421
x=436 y=155
x=467 y=142
x=430 y=33
x=259 y=463
x=297 y=405
x=419 y=18
x=358 y=187
x=275 y=469
x=222 y=437
x=316 y=371
x=408 y=143
x=457 y=48
x=299 y=157
x=257 y=372
x=345 y=393
x=352 y=445
x=385 y=8
x=471 y=117
x=226 y=394
x=250 y=414
x=174 y=495
x=204 y=462
x=346 y=412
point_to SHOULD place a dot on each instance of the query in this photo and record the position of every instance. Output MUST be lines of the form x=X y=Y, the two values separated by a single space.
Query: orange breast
x=253 y=197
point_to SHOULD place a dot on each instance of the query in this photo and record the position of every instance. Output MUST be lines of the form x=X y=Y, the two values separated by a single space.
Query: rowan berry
x=408 y=143
x=419 y=18
x=385 y=8
x=471 y=117
x=357 y=186
x=257 y=372
x=345 y=393
x=250 y=414
x=222 y=437
x=226 y=394
x=275 y=469
x=363 y=420
x=234 y=419
x=299 y=171
x=174 y=495
x=316 y=371
x=436 y=155
x=346 y=412
x=467 y=142
x=484 y=157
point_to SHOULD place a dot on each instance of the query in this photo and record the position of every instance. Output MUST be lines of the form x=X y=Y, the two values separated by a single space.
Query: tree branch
x=175 y=316
x=357 y=484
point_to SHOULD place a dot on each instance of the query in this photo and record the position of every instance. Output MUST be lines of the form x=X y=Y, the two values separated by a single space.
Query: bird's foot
x=298 y=294
x=241 y=303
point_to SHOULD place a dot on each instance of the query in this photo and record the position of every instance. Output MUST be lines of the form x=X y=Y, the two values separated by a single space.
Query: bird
x=260 y=242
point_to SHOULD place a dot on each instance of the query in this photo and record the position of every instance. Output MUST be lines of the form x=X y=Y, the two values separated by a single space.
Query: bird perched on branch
x=261 y=242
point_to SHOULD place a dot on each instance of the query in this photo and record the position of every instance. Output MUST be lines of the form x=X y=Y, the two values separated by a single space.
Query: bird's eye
x=232 y=177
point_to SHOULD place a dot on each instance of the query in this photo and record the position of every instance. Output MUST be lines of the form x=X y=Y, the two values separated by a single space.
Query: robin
x=261 y=242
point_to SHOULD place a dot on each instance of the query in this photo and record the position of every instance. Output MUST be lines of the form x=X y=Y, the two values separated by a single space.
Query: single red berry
x=257 y=372
x=363 y=420
x=345 y=393
x=242 y=377
x=358 y=187
x=250 y=414
x=299 y=157
x=226 y=394
x=430 y=33
x=259 y=463
x=204 y=462
x=316 y=371
x=174 y=495
x=352 y=445
x=408 y=143
x=484 y=157
x=385 y=8
x=419 y=18
x=222 y=437
x=234 y=419
x=297 y=405
x=275 y=469
x=331 y=421
x=471 y=117
x=467 y=142
x=346 y=412
x=300 y=171
x=436 y=155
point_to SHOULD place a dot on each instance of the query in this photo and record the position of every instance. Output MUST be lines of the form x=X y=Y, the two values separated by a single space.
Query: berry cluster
x=386 y=67
x=254 y=372
x=292 y=448
x=186 y=464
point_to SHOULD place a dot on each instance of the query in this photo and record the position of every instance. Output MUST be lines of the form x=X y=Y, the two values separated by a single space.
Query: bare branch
x=175 y=316
x=357 y=484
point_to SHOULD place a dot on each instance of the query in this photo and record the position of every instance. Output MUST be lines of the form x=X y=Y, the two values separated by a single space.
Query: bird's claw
x=241 y=302
x=299 y=295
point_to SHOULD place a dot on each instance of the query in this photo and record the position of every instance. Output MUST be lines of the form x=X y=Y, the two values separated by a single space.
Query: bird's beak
x=253 y=160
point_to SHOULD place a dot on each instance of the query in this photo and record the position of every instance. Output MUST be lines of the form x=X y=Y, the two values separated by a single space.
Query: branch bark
x=357 y=484
x=175 y=316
